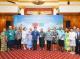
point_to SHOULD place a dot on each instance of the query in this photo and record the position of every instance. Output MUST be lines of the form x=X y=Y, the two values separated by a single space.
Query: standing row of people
x=72 y=40
x=68 y=39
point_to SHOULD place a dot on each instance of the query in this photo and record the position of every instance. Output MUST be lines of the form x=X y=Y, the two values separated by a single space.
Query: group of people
x=53 y=39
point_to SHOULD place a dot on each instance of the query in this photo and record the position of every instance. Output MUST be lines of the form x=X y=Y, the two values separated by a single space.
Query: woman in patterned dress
x=67 y=41
x=3 y=40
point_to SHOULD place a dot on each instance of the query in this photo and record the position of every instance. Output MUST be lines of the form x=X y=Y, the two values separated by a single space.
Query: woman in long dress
x=67 y=41
x=29 y=39
x=72 y=37
x=3 y=40
x=24 y=38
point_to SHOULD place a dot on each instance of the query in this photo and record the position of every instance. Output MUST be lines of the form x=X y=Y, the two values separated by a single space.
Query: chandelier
x=38 y=2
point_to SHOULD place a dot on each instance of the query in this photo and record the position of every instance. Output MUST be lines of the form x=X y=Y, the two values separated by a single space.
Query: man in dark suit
x=35 y=36
x=77 y=50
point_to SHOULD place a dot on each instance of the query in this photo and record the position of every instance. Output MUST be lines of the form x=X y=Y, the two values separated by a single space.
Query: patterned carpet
x=38 y=54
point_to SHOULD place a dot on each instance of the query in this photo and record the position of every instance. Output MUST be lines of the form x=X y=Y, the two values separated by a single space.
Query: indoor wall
x=5 y=21
x=73 y=18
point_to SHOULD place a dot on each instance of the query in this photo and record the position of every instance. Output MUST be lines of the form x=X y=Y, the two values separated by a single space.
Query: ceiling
x=36 y=0
x=21 y=4
x=29 y=3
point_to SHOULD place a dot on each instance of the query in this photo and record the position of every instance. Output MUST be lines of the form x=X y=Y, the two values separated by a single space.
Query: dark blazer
x=35 y=35
x=78 y=35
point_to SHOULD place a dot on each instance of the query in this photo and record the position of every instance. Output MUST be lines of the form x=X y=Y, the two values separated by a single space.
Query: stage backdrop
x=39 y=21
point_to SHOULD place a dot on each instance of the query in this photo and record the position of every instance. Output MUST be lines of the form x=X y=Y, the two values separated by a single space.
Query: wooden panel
x=3 y=19
x=74 y=19
x=2 y=23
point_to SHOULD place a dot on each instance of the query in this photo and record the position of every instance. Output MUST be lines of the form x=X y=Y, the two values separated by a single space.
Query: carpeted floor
x=39 y=54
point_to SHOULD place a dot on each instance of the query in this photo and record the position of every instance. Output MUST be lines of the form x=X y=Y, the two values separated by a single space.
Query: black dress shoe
x=77 y=53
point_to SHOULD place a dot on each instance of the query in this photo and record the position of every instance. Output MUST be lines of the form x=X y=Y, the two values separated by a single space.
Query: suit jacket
x=35 y=35
x=78 y=35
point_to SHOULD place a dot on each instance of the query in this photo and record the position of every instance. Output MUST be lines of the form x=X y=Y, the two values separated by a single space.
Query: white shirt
x=72 y=35
x=24 y=34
